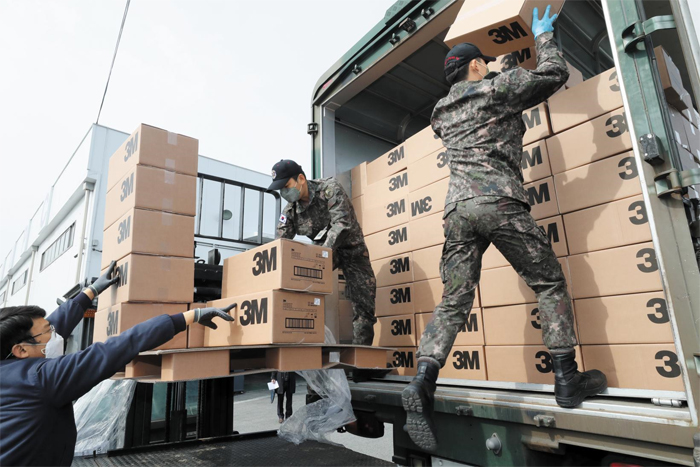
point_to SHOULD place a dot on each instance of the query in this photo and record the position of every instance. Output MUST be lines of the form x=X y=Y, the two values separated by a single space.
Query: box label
x=265 y=261
x=254 y=312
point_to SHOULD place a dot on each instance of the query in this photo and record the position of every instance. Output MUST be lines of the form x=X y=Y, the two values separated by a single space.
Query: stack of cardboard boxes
x=149 y=231
x=585 y=194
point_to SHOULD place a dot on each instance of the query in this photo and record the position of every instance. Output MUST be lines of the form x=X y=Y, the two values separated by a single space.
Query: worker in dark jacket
x=38 y=384
x=287 y=385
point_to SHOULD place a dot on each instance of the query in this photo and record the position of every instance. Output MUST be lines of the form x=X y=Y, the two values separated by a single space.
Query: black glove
x=204 y=316
x=106 y=280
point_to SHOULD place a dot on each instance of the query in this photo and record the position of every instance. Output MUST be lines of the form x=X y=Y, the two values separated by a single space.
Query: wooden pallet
x=218 y=362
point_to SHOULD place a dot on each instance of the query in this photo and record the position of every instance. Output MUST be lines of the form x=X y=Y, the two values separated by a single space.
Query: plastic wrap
x=318 y=420
x=100 y=417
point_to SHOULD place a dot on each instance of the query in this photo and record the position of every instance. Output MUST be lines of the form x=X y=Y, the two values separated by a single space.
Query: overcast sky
x=237 y=75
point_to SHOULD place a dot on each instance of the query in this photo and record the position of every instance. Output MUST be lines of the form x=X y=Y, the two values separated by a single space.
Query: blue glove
x=546 y=24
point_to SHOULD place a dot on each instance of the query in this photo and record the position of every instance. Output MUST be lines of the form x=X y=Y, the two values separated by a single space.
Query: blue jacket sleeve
x=67 y=316
x=66 y=378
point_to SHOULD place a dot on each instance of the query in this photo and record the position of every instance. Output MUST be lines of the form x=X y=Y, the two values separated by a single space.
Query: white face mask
x=54 y=347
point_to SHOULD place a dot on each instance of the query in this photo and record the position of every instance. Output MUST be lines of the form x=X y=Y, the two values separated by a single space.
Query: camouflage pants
x=470 y=227
x=361 y=290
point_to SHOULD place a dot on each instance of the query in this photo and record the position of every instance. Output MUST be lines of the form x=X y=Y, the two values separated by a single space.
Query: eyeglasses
x=51 y=329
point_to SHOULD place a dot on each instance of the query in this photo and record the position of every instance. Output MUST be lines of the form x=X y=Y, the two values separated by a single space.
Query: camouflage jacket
x=329 y=218
x=480 y=123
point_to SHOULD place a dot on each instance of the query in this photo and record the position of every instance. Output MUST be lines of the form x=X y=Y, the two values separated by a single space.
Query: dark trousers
x=288 y=393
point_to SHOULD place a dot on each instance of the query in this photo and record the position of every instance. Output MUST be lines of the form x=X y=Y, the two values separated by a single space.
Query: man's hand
x=106 y=280
x=546 y=24
x=204 y=316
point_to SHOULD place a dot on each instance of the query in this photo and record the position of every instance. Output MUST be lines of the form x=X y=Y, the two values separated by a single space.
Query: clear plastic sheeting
x=100 y=417
x=318 y=420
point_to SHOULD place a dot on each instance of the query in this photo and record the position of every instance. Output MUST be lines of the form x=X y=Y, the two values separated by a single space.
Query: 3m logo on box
x=402 y=359
x=123 y=271
x=127 y=187
x=466 y=360
x=400 y=295
x=400 y=265
x=112 y=323
x=671 y=368
x=514 y=59
x=421 y=206
x=396 y=208
x=535 y=313
x=398 y=182
x=531 y=158
x=538 y=194
x=265 y=261
x=398 y=236
x=471 y=325
x=124 y=230
x=532 y=118
x=507 y=33
x=254 y=312
x=401 y=327
x=551 y=230
x=542 y=198
x=660 y=314
x=131 y=146
x=617 y=125
x=545 y=364
x=395 y=156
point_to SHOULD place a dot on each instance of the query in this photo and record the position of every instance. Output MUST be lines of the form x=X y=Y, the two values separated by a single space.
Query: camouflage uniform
x=329 y=220
x=481 y=126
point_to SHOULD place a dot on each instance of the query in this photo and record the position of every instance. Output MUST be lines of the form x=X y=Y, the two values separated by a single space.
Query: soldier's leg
x=361 y=289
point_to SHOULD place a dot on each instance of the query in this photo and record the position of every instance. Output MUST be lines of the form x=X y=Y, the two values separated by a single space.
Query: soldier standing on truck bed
x=321 y=210
x=481 y=126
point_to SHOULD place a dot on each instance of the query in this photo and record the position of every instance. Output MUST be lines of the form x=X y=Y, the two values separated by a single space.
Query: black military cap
x=282 y=172
x=459 y=56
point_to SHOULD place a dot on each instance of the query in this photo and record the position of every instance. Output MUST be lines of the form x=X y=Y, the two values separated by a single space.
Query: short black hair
x=463 y=72
x=16 y=324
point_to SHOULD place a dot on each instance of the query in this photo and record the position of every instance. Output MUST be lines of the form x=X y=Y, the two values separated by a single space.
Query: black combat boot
x=570 y=385
x=418 y=399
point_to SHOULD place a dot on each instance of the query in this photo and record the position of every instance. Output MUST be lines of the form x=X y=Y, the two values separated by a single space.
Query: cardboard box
x=195 y=334
x=358 y=176
x=341 y=291
x=394 y=270
x=497 y=28
x=144 y=278
x=358 y=205
x=191 y=365
x=513 y=325
x=403 y=360
x=270 y=317
x=687 y=160
x=428 y=170
x=395 y=331
x=624 y=270
x=282 y=264
x=679 y=128
x=535 y=162
x=610 y=225
x=390 y=242
x=146 y=187
x=591 y=141
x=466 y=363
x=470 y=333
x=148 y=232
x=394 y=186
x=417 y=146
x=575 y=76
x=427 y=231
x=671 y=80
x=525 y=58
x=542 y=198
x=640 y=366
x=391 y=213
x=600 y=182
x=345 y=320
x=503 y=286
x=537 y=124
x=584 y=102
x=693 y=137
x=394 y=300
x=429 y=199
x=121 y=317
x=522 y=363
x=428 y=295
x=426 y=263
x=154 y=147
x=624 y=319
x=552 y=227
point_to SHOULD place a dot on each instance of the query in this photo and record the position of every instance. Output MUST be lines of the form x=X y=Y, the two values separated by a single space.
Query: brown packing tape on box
x=403 y=360
x=542 y=198
x=584 y=102
x=535 y=162
x=428 y=170
x=195 y=334
x=391 y=213
x=522 y=363
x=427 y=231
x=600 y=182
x=470 y=333
x=429 y=199
x=610 y=225
x=358 y=176
x=671 y=79
x=148 y=232
x=281 y=264
x=270 y=317
x=151 y=188
x=144 y=278
x=394 y=186
x=121 y=317
x=154 y=147
x=428 y=295
x=552 y=227
x=417 y=146
x=395 y=331
x=503 y=286
x=393 y=270
x=525 y=58
x=624 y=270
x=637 y=366
x=514 y=325
x=394 y=300
x=624 y=319
x=497 y=28
x=391 y=242
x=591 y=141
x=465 y=363
x=426 y=263
x=537 y=124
